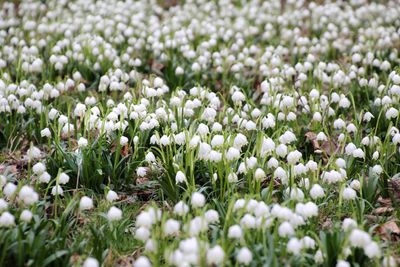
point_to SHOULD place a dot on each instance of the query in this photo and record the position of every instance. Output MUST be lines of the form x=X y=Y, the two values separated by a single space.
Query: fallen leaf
x=382 y=210
x=389 y=231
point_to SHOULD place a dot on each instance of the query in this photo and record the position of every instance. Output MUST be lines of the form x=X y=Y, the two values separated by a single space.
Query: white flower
x=198 y=200
x=259 y=174
x=3 y=204
x=342 y=263
x=44 y=177
x=45 y=132
x=26 y=216
x=9 y=189
x=359 y=238
x=150 y=157
x=111 y=196
x=57 y=190
x=294 y=246
x=91 y=262
x=180 y=177
x=114 y=214
x=123 y=140
x=86 y=203
x=142 y=261
x=63 y=178
x=307 y=210
x=82 y=142
x=235 y=231
x=215 y=256
x=244 y=256
x=372 y=250
x=38 y=168
x=28 y=195
x=392 y=113
x=171 y=227
x=232 y=154
x=349 y=224
x=211 y=216
x=141 y=171
x=181 y=208
x=217 y=141
x=349 y=193
x=33 y=153
x=7 y=219
x=285 y=229
x=142 y=234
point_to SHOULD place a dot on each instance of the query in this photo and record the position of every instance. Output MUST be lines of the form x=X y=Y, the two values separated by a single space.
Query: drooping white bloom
x=111 y=196
x=180 y=177
x=7 y=219
x=198 y=200
x=91 y=262
x=86 y=203
x=215 y=256
x=244 y=256
x=26 y=216
x=114 y=214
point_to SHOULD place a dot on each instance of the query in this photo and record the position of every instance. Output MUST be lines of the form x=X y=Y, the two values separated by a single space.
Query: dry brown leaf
x=326 y=148
x=389 y=231
x=385 y=202
x=382 y=210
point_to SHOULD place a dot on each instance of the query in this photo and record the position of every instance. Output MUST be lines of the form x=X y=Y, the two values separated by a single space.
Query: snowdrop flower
x=123 y=140
x=171 y=227
x=142 y=261
x=33 y=153
x=198 y=200
x=57 y=190
x=38 y=168
x=232 y=154
x=359 y=238
x=359 y=153
x=7 y=219
x=150 y=157
x=349 y=194
x=294 y=246
x=86 y=203
x=26 y=216
x=342 y=263
x=392 y=113
x=45 y=132
x=349 y=224
x=3 y=204
x=181 y=208
x=355 y=184
x=215 y=256
x=82 y=142
x=111 y=196
x=91 y=262
x=114 y=214
x=141 y=171
x=9 y=189
x=180 y=177
x=63 y=178
x=372 y=250
x=244 y=256
x=259 y=174
x=28 y=195
x=235 y=232
x=285 y=229
x=211 y=216
x=142 y=234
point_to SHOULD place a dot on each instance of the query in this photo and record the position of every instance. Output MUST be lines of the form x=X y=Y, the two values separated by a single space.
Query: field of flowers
x=199 y=133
